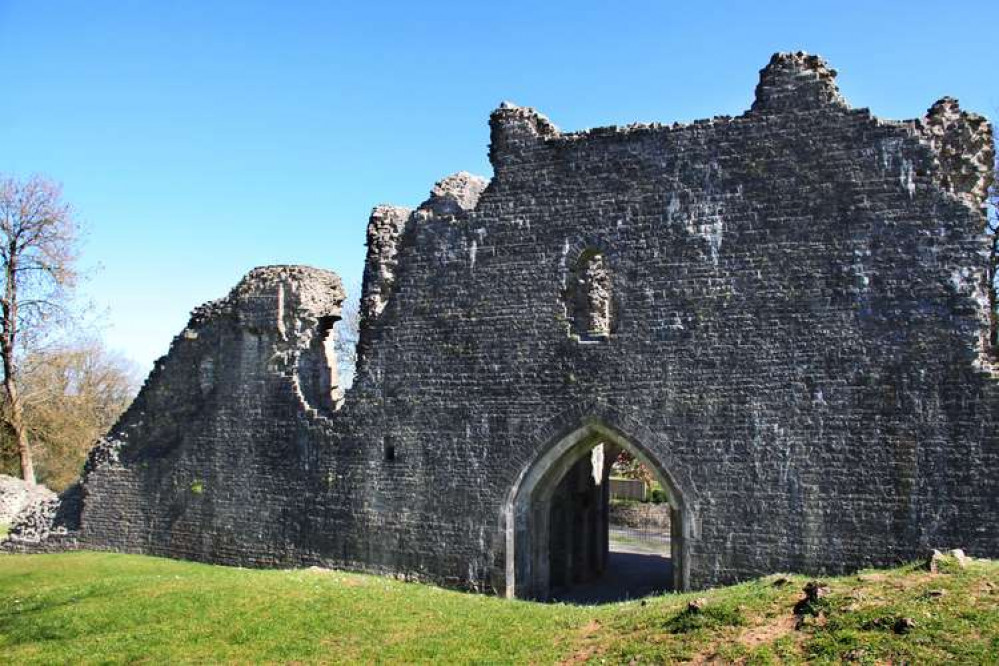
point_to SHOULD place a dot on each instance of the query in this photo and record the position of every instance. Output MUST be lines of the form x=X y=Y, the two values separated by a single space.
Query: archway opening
x=560 y=541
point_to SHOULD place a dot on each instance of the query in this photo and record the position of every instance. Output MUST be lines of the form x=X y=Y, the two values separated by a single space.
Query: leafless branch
x=38 y=252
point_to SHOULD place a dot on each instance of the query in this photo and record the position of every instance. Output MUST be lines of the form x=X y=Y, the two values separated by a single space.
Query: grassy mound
x=97 y=607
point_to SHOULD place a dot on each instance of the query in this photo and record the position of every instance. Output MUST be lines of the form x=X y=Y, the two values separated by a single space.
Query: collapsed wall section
x=206 y=463
x=450 y=201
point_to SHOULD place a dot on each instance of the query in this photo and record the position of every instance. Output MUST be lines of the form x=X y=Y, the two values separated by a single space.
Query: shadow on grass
x=629 y=576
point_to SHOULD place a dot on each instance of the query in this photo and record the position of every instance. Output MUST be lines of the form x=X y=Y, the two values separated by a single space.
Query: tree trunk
x=17 y=427
x=8 y=339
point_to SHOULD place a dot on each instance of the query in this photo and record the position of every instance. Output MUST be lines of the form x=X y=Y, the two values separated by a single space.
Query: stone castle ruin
x=783 y=314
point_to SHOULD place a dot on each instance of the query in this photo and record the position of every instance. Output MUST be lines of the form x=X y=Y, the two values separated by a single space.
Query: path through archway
x=558 y=526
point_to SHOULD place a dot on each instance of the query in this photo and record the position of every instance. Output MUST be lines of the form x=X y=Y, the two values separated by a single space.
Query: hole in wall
x=347 y=334
x=589 y=297
x=318 y=374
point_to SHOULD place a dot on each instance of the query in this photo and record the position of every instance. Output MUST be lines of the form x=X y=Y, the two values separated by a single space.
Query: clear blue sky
x=198 y=139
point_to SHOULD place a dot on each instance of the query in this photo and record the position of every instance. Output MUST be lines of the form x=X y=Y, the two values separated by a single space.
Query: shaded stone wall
x=208 y=462
x=579 y=514
x=797 y=335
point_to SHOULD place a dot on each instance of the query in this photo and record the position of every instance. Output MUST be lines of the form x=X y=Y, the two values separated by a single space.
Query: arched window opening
x=574 y=537
x=589 y=297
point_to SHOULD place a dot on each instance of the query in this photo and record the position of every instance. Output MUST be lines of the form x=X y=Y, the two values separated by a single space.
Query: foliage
x=629 y=467
x=658 y=496
x=108 y=608
x=71 y=396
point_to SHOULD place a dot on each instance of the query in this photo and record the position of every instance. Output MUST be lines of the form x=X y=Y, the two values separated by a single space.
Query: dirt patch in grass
x=586 y=633
x=767 y=633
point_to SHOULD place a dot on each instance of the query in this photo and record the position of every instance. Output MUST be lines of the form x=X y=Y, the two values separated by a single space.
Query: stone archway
x=529 y=503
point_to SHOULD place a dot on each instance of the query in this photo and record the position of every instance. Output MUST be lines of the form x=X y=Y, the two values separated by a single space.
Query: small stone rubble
x=36 y=520
x=16 y=496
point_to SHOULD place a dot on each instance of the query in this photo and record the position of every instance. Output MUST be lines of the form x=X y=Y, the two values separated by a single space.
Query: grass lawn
x=101 y=608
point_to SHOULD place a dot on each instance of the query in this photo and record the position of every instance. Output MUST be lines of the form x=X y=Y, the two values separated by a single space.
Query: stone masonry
x=789 y=322
x=15 y=495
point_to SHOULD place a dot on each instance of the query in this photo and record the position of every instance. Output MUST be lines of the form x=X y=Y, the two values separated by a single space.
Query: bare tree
x=347 y=332
x=38 y=239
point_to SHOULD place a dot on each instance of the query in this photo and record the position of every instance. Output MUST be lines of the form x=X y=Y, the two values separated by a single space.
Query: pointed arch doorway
x=557 y=520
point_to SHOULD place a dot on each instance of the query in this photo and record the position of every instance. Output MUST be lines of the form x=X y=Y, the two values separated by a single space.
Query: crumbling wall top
x=796 y=82
x=287 y=293
x=964 y=149
x=456 y=194
x=514 y=131
x=524 y=118
x=386 y=227
x=315 y=290
x=312 y=292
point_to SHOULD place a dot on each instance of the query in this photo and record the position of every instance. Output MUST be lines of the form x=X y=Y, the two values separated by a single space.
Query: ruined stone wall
x=208 y=462
x=795 y=332
x=798 y=313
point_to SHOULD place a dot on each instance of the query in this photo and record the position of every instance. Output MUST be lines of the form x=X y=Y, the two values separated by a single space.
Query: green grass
x=626 y=540
x=4 y=529
x=106 y=608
